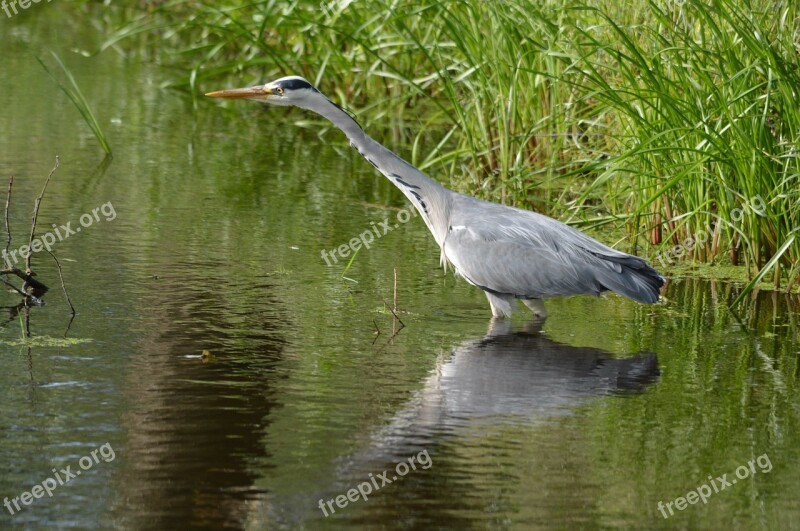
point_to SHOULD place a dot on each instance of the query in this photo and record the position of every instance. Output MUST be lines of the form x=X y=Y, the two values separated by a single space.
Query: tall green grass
x=669 y=119
x=73 y=92
x=708 y=93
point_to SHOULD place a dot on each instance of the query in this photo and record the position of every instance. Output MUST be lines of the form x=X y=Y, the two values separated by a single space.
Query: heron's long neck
x=431 y=199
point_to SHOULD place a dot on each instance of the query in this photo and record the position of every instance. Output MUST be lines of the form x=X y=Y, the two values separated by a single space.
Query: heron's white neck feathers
x=431 y=199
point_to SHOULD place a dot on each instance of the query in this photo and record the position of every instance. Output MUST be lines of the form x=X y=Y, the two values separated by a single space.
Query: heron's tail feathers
x=632 y=277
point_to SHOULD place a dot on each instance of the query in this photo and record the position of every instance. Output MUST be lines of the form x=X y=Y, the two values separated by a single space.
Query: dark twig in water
x=69 y=325
x=31 y=289
x=377 y=331
x=12 y=286
x=8 y=227
x=394 y=332
x=27 y=297
x=27 y=279
x=11 y=269
x=63 y=287
x=36 y=215
x=395 y=289
x=27 y=312
x=392 y=308
x=402 y=324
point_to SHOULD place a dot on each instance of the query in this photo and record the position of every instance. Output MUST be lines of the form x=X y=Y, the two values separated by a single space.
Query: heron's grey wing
x=524 y=269
x=517 y=252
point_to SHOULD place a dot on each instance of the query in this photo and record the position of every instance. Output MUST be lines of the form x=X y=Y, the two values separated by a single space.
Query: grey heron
x=507 y=252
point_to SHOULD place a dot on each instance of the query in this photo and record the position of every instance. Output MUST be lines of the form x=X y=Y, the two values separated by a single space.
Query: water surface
x=309 y=387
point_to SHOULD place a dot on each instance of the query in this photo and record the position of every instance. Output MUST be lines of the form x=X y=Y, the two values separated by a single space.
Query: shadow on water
x=503 y=378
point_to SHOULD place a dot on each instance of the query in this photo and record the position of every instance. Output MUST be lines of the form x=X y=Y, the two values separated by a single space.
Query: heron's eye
x=279 y=90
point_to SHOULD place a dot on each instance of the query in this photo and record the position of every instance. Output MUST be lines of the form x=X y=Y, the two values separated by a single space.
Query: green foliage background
x=664 y=119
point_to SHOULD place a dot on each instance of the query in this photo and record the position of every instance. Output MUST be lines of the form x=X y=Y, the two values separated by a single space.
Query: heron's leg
x=502 y=305
x=536 y=306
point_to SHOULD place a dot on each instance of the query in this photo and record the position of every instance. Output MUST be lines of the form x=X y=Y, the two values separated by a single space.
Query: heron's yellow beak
x=258 y=92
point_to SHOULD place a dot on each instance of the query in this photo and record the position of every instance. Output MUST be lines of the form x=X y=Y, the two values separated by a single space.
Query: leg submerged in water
x=502 y=305
x=536 y=306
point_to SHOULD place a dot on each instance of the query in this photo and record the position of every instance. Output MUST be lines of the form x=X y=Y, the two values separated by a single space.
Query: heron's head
x=286 y=91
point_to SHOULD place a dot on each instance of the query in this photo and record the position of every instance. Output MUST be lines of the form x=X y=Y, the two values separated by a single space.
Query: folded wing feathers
x=569 y=262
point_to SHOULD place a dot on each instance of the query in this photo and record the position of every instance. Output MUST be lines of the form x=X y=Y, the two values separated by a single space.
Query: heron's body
x=508 y=252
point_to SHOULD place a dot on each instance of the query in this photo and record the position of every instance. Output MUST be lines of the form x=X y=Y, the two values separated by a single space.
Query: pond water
x=226 y=377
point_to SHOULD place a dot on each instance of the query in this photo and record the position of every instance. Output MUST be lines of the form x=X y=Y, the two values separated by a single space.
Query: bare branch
x=402 y=324
x=61 y=276
x=8 y=227
x=12 y=286
x=36 y=215
x=395 y=289
x=29 y=280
